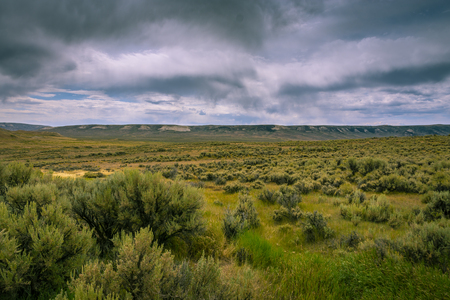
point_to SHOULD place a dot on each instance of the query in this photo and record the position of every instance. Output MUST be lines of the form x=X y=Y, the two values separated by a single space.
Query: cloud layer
x=225 y=62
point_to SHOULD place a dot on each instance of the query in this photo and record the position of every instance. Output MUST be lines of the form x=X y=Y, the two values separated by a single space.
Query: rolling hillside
x=260 y=133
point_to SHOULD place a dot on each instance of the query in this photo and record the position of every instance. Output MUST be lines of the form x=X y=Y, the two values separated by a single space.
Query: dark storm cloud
x=182 y=86
x=259 y=57
x=359 y=19
x=242 y=21
x=398 y=77
x=33 y=34
x=413 y=75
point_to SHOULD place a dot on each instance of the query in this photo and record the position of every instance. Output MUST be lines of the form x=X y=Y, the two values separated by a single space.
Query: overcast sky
x=193 y=62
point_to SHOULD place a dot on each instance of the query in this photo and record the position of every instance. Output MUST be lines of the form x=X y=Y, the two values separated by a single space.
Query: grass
x=282 y=263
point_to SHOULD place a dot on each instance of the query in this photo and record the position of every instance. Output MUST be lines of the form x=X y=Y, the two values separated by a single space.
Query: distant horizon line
x=199 y=125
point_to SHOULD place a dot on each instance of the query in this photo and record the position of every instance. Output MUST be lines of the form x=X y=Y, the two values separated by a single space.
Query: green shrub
x=369 y=164
x=440 y=181
x=377 y=209
x=233 y=225
x=143 y=270
x=304 y=186
x=93 y=175
x=352 y=165
x=234 y=187
x=16 y=174
x=352 y=241
x=220 y=181
x=395 y=220
x=38 y=251
x=356 y=197
x=315 y=227
x=269 y=196
x=242 y=218
x=131 y=200
x=438 y=205
x=346 y=189
x=330 y=190
x=288 y=199
x=247 y=211
x=257 y=185
x=428 y=243
x=282 y=178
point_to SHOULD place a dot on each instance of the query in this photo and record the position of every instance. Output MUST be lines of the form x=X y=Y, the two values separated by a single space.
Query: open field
x=338 y=219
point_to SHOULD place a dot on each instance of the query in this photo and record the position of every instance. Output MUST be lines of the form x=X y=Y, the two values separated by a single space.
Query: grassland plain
x=380 y=230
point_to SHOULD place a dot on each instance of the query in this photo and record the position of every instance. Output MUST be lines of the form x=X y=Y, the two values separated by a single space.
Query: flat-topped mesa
x=175 y=128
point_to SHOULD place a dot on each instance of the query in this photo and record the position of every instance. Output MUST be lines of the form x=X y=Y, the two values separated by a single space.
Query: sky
x=196 y=62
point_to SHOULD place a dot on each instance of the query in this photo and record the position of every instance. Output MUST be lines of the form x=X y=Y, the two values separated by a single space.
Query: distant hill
x=21 y=126
x=25 y=134
x=256 y=133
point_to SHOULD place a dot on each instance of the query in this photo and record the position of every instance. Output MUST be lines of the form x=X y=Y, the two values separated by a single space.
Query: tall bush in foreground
x=143 y=270
x=39 y=250
x=130 y=200
x=16 y=174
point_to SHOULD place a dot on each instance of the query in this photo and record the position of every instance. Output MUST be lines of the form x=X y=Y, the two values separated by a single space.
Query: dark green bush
x=42 y=194
x=234 y=187
x=356 y=197
x=369 y=164
x=39 y=250
x=330 y=190
x=288 y=199
x=220 y=181
x=304 y=186
x=315 y=227
x=242 y=218
x=93 y=175
x=269 y=196
x=143 y=270
x=428 y=243
x=129 y=200
x=377 y=209
x=16 y=174
x=438 y=205
x=352 y=240
x=257 y=185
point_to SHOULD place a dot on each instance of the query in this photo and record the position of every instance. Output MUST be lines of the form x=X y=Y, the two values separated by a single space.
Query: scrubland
x=110 y=219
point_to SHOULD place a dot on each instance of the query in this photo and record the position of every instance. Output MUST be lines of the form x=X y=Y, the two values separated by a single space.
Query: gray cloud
x=249 y=61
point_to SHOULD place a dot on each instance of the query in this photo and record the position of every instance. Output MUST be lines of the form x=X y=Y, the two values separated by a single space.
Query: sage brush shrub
x=247 y=211
x=129 y=200
x=330 y=190
x=257 y=185
x=269 y=196
x=39 y=250
x=377 y=209
x=143 y=270
x=242 y=218
x=42 y=194
x=428 y=243
x=356 y=197
x=304 y=186
x=220 y=181
x=289 y=200
x=438 y=205
x=16 y=174
x=234 y=187
x=315 y=227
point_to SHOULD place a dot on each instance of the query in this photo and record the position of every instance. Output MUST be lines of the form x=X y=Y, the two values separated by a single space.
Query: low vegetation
x=360 y=219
